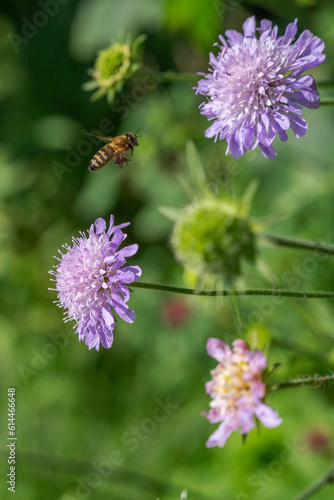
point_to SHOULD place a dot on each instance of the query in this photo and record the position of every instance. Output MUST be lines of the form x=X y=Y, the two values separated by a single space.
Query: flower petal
x=268 y=152
x=107 y=316
x=290 y=33
x=129 y=274
x=100 y=226
x=249 y=27
x=220 y=436
x=128 y=251
x=123 y=310
x=298 y=125
x=218 y=349
x=267 y=415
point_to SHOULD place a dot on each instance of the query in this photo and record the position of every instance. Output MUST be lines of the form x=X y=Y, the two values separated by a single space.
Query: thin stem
x=300 y=244
x=229 y=293
x=315 y=381
x=325 y=83
x=169 y=76
x=327 y=101
x=45 y=463
x=326 y=479
x=175 y=76
x=172 y=76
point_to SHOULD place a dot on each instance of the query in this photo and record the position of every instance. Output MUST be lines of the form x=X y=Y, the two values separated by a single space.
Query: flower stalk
x=300 y=244
x=316 y=382
x=328 y=478
x=327 y=101
x=274 y=292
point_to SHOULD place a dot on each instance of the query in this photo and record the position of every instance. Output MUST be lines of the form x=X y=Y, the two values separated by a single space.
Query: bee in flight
x=114 y=149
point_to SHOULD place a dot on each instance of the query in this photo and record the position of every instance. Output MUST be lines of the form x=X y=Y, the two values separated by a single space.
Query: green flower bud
x=211 y=237
x=112 y=68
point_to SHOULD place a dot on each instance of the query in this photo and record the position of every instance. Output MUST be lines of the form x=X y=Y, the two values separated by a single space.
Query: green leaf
x=170 y=212
x=195 y=165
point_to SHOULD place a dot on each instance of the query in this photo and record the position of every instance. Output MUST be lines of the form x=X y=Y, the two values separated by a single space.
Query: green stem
x=229 y=293
x=171 y=76
x=327 y=101
x=315 y=381
x=300 y=244
x=325 y=83
x=326 y=479
x=175 y=76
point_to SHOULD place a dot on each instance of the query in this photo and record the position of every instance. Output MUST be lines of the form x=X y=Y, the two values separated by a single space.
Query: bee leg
x=120 y=159
x=125 y=160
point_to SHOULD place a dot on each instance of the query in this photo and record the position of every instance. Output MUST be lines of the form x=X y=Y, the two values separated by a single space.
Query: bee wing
x=101 y=137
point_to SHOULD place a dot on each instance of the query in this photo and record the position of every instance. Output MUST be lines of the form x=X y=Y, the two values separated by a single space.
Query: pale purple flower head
x=91 y=282
x=255 y=88
x=237 y=390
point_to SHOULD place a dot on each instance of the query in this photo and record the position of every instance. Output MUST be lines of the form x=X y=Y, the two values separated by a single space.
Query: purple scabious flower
x=255 y=88
x=91 y=282
x=237 y=390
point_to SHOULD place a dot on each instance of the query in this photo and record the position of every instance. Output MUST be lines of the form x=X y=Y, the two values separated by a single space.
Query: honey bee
x=114 y=150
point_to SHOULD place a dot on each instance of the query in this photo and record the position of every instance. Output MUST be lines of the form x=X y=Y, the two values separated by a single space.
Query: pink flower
x=237 y=390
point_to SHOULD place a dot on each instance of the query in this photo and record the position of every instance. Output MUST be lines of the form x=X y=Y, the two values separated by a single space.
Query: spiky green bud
x=211 y=237
x=113 y=66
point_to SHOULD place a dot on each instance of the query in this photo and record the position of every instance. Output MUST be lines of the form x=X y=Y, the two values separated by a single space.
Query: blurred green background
x=77 y=407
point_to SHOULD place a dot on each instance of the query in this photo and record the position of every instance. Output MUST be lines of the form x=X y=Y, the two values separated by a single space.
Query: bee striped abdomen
x=101 y=158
